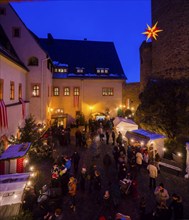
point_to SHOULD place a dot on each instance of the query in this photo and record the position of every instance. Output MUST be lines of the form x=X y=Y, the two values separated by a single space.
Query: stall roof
x=147 y=134
x=117 y=120
x=12 y=188
x=15 y=151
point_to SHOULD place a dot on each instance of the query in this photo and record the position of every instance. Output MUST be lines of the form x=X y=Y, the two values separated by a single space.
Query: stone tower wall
x=145 y=63
x=170 y=53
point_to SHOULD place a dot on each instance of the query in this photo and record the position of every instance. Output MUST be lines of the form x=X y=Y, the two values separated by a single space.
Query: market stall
x=123 y=125
x=152 y=141
x=12 y=160
x=12 y=188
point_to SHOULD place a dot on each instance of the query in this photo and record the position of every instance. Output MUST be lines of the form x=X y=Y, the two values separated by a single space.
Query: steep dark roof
x=84 y=54
x=7 y=50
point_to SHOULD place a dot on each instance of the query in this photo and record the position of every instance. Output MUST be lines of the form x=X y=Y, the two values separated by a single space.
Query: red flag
x=23 y=107
x=76 y=101
x=3 y=115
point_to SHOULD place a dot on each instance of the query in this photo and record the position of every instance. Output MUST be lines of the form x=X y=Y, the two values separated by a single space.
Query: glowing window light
x=15 y=196
x=164 y=149
x=132 y=140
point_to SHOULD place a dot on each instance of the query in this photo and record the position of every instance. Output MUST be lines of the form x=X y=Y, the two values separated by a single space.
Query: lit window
x=1 y=89
x=107 y=91
x=66 y=91
x=35 y=90
x=33 y=61
x=62 y=70
x=11 y=90
x=76 y=91
x=102 y=70
x=79 y=70
x=106 y=70
x=20 y=91
x=16 y=32
x=56 y=91
x=2 y=11
x=56 y=70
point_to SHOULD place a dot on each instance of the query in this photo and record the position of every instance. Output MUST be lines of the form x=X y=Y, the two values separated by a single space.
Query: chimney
x=85 y=39
x=50 y=38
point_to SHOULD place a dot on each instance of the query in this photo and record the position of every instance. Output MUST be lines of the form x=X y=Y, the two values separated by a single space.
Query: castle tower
x=170 y=53
x=168 y=56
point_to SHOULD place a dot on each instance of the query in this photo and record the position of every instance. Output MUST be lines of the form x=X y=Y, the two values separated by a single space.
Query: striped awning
x=3 y=115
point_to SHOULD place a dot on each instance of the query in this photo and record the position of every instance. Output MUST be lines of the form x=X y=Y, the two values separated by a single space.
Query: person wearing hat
x=72 y=186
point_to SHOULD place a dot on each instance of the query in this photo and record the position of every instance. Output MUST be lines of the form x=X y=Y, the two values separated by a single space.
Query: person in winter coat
x=75 y=159
x=82 y=178
x=176 y=207
x=55 y=175
x=161 y=194
x=139 y=159
x=153 y=174
x=97 y=185
x=113 y=137
x=72 y=186
x=107 y=137
x=116 y=153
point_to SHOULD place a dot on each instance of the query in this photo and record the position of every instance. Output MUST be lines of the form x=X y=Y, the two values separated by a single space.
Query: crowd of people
x=72 y=175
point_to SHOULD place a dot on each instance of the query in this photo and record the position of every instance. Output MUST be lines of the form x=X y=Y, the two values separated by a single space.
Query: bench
x=178 y=169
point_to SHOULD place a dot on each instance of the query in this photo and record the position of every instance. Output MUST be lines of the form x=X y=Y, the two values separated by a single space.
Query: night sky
x=119 y=21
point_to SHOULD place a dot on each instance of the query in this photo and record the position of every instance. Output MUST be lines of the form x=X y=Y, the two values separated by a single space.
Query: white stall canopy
x=123 y=125
x=148 y=139
x=11 y=193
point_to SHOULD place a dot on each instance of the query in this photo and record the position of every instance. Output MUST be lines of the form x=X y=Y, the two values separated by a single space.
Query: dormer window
x=33 y=61
x=102 y=70
x=61 y=70
x=80 y=70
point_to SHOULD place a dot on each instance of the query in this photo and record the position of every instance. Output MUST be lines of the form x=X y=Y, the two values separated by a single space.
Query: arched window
x=33 y=61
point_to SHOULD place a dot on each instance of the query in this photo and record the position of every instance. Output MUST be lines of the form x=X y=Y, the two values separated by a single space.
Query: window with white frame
x=79 y=70
x=66 y=91
x=102 y=70
x=56 y=91
x=107 y=91
x=36 y=90
x=76 y=91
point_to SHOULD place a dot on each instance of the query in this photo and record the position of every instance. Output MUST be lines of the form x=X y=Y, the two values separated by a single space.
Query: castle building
x=53 y=78
x=168 y=56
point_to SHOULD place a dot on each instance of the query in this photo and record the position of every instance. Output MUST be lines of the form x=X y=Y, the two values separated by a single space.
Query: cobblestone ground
x=88 y=209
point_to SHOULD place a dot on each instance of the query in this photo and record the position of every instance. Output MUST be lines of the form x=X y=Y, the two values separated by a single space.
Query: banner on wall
x=3 y=115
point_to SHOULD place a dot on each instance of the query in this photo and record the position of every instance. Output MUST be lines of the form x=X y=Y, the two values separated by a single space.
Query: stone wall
x=131 y=92
x=170 y=53
x=145 y=63
x=168 y=56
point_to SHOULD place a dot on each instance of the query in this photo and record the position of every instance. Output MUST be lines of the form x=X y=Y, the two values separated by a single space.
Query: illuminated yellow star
x=152 y=32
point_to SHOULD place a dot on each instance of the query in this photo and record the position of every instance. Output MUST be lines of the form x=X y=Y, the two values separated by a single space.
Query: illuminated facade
x=53 y=87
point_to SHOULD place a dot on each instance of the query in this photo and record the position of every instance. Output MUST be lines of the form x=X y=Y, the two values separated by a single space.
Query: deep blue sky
x=119 y=21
